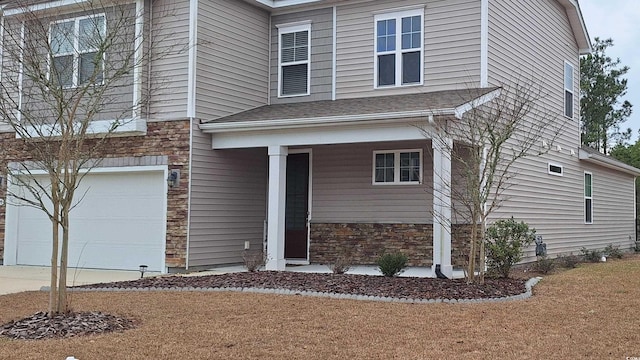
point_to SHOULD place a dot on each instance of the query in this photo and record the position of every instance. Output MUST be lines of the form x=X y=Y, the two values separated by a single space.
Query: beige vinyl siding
x=531 y=40
x=451 y=46
x=343 y=190
x=321 y=54
x=228 y=202
x=613 y=209
x=233 y=58
x=170 y=60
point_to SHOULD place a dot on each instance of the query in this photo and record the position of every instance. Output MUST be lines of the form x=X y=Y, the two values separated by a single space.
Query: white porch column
x=442 y=205
x=275 y=212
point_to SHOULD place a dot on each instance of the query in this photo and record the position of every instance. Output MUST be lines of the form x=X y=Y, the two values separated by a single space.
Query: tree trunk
x=55 y=223
x=63 y=306
x=471 y=267
x=53 y=293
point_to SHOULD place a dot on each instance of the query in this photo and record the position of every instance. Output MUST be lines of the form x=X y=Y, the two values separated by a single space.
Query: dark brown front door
x=297 y=206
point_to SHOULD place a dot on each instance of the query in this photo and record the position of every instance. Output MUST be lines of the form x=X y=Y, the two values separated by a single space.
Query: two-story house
x=292 y=123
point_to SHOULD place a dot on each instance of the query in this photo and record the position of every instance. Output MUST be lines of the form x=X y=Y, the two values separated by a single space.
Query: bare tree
x=68 y=85
x=484 y=145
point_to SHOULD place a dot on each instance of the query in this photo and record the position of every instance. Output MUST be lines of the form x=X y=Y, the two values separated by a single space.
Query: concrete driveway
x=15 y=279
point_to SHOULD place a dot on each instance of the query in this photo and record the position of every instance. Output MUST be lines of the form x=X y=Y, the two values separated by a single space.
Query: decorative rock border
x=525 y=295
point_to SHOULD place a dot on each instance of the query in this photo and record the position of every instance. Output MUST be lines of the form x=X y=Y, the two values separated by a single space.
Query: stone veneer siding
x=166 y=143
x=363 y=243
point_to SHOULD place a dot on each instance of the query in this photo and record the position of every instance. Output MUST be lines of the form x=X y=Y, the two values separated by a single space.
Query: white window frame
x=561 y=173
x=396 y=167
x=287 y=29
x=398 y=15
x=584 y=209
x=569 y=89
x=76 y=53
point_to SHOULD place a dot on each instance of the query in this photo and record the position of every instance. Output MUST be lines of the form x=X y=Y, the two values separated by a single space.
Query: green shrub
x=613 y=251
x=591 y=255
x=544 y=265
x=505 y=242
x=392 y=264
x=568 y=261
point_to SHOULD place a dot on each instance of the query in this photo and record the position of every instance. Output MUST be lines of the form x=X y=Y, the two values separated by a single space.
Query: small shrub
x=637 y=248
x=341 y=265
x=392 y=264
x=591 y=255
x=253 y=260
x=544 y=265
x=505 y=243
x=613 y=251
x=568 y=261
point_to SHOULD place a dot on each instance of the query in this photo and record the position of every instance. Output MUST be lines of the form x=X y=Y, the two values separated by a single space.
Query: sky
x=620 y=21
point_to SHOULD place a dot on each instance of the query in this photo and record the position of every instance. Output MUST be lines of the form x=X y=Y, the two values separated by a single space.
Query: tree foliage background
x=602 y=109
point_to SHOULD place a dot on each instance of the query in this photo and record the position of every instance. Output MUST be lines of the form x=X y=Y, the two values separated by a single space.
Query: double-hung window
x=294 y=59
x=588 y=198
x=568 y=90
x=399 y=46
x=397 y=167
x=75 y=55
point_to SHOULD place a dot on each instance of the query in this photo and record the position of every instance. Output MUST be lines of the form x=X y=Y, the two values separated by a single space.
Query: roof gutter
x=608 y=162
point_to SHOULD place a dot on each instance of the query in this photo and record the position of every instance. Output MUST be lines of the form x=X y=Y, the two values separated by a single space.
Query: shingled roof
x=435 y=102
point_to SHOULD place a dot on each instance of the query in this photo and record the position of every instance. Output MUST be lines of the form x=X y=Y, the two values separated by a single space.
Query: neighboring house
x=292 y=122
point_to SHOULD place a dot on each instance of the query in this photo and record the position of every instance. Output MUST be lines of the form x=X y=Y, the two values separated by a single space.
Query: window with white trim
x=555 y=169
x=568 y=90
x=75 y=50
x=294 y=57
x=399 y=48
x=397 y=167
x=588 y=198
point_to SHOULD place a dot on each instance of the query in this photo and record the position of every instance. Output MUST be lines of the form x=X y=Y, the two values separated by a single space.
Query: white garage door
x=118 y=224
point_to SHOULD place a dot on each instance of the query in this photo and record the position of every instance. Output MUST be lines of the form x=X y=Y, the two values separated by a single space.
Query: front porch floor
x=424 y=272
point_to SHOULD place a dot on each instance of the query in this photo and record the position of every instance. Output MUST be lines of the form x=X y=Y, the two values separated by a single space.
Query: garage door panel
x=117 y=224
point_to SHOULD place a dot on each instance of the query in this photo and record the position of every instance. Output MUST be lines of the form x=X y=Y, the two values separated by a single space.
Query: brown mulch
x=41 y=326
x=367 y=285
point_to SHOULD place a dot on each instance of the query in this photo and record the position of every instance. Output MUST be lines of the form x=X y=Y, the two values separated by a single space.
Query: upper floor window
x=75 y=50
x=294 y=59
x=397 y=167
x=568 y=90
x=399 y=48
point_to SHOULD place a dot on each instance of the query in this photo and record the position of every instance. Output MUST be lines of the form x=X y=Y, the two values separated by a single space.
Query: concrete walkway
x=15 y=279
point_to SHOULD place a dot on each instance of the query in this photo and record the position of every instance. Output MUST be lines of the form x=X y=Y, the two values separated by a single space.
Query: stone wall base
x=363 y=243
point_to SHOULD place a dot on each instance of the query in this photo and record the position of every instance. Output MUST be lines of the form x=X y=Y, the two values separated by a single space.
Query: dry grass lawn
x=589 y=312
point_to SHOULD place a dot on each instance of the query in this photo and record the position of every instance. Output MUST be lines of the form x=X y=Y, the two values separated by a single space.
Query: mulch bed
x=40 y=326
x=396 y=287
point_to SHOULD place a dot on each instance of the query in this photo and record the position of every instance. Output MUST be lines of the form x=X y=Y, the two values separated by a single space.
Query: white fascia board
x=460 y=110
x=578 y=25
x=607 y=162
x=283 y=3
x=357 y=133
x=96 y=127
x=318 y=121
x=43 y=6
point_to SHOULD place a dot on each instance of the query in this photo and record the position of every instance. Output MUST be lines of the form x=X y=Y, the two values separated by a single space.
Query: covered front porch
x=355 y=184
